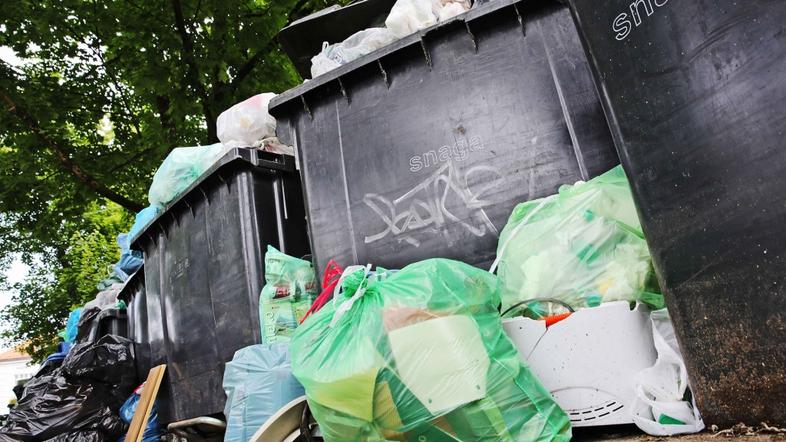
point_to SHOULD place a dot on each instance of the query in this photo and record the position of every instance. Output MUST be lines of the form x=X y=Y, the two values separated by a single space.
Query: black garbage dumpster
x=204 y=263
x=142 y=325
x=696 y=96
x=422 y=148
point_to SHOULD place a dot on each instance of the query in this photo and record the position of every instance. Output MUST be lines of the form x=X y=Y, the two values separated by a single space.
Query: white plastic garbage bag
x=409 y=16
x=661 y=408
x=452 y=9
x=247 y=122
x=354 y=47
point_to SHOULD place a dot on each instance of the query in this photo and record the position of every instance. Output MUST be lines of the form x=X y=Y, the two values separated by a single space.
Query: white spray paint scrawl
x=424 y=206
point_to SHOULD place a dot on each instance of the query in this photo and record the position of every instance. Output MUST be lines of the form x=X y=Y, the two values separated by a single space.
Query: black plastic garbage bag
x=85 y=324
x=81 y=436
x=109 y=360
x=52 y=406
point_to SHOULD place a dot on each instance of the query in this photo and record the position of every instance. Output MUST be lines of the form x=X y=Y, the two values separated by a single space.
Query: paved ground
x=632 y=434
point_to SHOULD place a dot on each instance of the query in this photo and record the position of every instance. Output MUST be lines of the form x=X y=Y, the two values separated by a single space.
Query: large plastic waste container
x=695 y=92
x=143 y=323
x=422 y=148
x=204 y=261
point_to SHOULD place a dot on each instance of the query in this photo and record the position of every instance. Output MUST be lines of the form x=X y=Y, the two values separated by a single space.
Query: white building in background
x=14 y=367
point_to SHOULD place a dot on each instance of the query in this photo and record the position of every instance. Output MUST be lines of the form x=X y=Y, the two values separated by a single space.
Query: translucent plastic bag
x=142 y=219
x=409 y=16
x=247 y=122
x=69 y=335
x=582 y=246
x=663 y=406
x=354 y=47
x=290 y=288
x=419 y=354
x=180 y=169
x=130 y=260
x=258 y=382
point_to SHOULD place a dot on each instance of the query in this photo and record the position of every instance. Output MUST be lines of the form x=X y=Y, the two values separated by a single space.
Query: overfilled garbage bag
x=258 y=382
x=181 y=168
x=581 y=246
x=355 y=46
x=70 y=332
x=153 y=431
x=80 y=436
x=130 y=260
x=105 y=299
x=420 y=354
x=142 y=219
x=664 y=405
x=247 y=123
x=53 y=406
x=290 y=288
x=409 y=16
x=109 y=360
x=85 y=324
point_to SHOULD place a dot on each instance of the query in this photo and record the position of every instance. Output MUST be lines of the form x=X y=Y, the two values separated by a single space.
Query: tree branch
x=193 y=71
x=65 y=161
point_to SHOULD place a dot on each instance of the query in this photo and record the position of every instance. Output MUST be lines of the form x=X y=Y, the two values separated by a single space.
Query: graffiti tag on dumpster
x=445 y=197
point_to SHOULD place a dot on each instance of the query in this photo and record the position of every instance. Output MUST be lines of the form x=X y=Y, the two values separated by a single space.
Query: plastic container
x=144 y=323
x=695 y=94
x=422 y=149
x=204 y=262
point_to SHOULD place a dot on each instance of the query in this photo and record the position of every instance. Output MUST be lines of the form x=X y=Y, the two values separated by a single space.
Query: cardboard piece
x=142 y=414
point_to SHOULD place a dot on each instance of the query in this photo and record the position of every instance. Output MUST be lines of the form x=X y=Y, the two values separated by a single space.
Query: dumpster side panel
x=423 y=150
x=695 y=92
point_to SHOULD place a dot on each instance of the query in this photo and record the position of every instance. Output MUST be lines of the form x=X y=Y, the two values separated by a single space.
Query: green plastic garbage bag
x=420 y=354
x=290 y=289
x=581 y=246
x=181 y=168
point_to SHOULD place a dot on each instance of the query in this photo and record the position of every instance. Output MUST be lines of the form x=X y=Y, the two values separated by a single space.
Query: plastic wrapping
x=258 y=382
x=152 y=431
x=247 y=123
x=80 y=436
x=181 y=168
x=420 y=354
x=109 y=360
x=663 y=406
x=70 y=333
x=290 y=289
x=409 y=16
x=53 y=406
x=142 y=219
x=130 y=260
x=354 y=47
x=582 y=246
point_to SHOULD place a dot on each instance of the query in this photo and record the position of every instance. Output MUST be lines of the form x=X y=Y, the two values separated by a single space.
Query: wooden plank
x=142 y=414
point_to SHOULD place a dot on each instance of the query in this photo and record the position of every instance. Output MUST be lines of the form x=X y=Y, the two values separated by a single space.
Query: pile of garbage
x=77 y=398
x=405 y=18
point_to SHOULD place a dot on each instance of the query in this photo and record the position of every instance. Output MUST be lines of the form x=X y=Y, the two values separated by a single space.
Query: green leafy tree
x=103 y=92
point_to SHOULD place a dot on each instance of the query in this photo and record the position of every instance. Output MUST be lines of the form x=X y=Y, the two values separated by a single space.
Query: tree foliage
x=104 y=91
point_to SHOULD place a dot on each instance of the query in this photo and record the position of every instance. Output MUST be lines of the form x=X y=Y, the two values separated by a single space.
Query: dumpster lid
x=297 y=93
x=234 y=158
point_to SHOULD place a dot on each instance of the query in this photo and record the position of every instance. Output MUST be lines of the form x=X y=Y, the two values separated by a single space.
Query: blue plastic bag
x=258 y=382
x=71 y=326
x=153 y=430
x=130 y=260
x=143 y=218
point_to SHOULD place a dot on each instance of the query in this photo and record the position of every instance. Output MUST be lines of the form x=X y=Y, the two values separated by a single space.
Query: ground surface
x=632 y=434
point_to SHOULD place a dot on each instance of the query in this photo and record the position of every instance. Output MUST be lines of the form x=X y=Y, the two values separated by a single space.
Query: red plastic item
x=551 y=320
x=330 y=279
